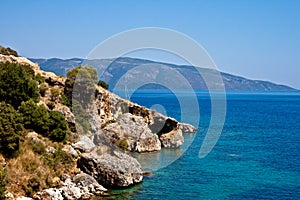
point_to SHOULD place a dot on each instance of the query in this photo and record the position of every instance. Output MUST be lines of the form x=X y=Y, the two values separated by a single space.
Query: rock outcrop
x=20 y=60
x=139 y=127
x=111 y=167
x=83 y=186
x=134 y=132
x=172 y=139
x=85 y=144
x=187 y=128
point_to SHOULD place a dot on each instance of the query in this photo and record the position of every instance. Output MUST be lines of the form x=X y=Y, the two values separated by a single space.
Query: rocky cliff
x=117 y=126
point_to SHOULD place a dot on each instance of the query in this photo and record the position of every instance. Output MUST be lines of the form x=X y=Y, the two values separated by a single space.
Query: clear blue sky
x=258 y=39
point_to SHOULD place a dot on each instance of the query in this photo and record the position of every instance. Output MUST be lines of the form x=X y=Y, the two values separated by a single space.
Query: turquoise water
x=256 y=157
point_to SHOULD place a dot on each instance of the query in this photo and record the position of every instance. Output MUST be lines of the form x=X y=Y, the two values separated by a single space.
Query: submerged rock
x=111 y=168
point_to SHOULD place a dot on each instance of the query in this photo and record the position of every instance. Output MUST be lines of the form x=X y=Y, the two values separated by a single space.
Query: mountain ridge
x=121 y=65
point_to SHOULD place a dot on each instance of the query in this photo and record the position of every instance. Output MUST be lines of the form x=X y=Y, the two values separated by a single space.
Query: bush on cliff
x=11 y=130
x=35 y=117
x=17 y=84
x=43 y=89
x=86 y=75
x=103 y=84
x=50 y=124
x=58 y=127
x=8 y=51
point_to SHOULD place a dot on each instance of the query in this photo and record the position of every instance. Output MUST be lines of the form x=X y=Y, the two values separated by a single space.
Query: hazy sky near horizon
x=252 y=38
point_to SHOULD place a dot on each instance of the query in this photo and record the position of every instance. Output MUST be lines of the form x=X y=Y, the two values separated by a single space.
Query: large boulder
x=173 y=139
x=111 y=168
x=85 y=180
x=162 y=124
x=134 y=132
x=85 y=144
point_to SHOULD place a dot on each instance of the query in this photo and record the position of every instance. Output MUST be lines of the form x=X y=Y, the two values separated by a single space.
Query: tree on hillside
x=35 y=117
x=49 y=124
x=85 y=78
x=17 y=84
x=58 y=127
x=11 y=130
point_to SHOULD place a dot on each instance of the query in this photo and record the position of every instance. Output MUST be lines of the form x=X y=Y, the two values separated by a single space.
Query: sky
x=257 y=39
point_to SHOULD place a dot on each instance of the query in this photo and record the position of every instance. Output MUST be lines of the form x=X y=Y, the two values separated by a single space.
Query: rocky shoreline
x=118 y=126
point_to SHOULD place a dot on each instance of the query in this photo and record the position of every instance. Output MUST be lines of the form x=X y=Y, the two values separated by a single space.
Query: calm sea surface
x=256 y=157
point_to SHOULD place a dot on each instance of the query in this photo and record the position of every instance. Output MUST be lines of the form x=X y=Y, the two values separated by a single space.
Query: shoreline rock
x=133 y=131
x=173 y=139
x=187 y=128
x=83 y=186
x=112 y=168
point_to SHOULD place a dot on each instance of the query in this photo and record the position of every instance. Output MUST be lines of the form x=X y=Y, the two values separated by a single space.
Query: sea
x=257 y=155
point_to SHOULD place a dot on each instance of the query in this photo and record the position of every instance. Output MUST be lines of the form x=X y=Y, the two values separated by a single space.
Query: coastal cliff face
x=142 y=129
x=116 y=126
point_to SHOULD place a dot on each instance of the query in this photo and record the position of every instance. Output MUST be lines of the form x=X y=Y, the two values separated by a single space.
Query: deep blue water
x=256 y=157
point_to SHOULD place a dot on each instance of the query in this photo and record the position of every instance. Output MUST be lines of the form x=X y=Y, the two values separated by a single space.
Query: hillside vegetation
x=34 y=129
x=8 y=51
x=29 y=167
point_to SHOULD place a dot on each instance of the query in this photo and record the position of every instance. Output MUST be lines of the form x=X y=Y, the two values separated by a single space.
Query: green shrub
x=65 y=101
x=58 y=160
x=35 y=117
x=103 y=84
x=39 y=78
x=17 y=84
x=58 y=127
x=52 y=125
x=43 y=88
x=55 y=92
x=123 y=144
x=11 y=130
x=87 y=77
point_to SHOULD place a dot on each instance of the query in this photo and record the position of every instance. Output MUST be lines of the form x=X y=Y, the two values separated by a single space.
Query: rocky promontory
x=99 y=136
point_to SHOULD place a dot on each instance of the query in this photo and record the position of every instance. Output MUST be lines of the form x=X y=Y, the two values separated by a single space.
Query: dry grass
x=33 y=170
